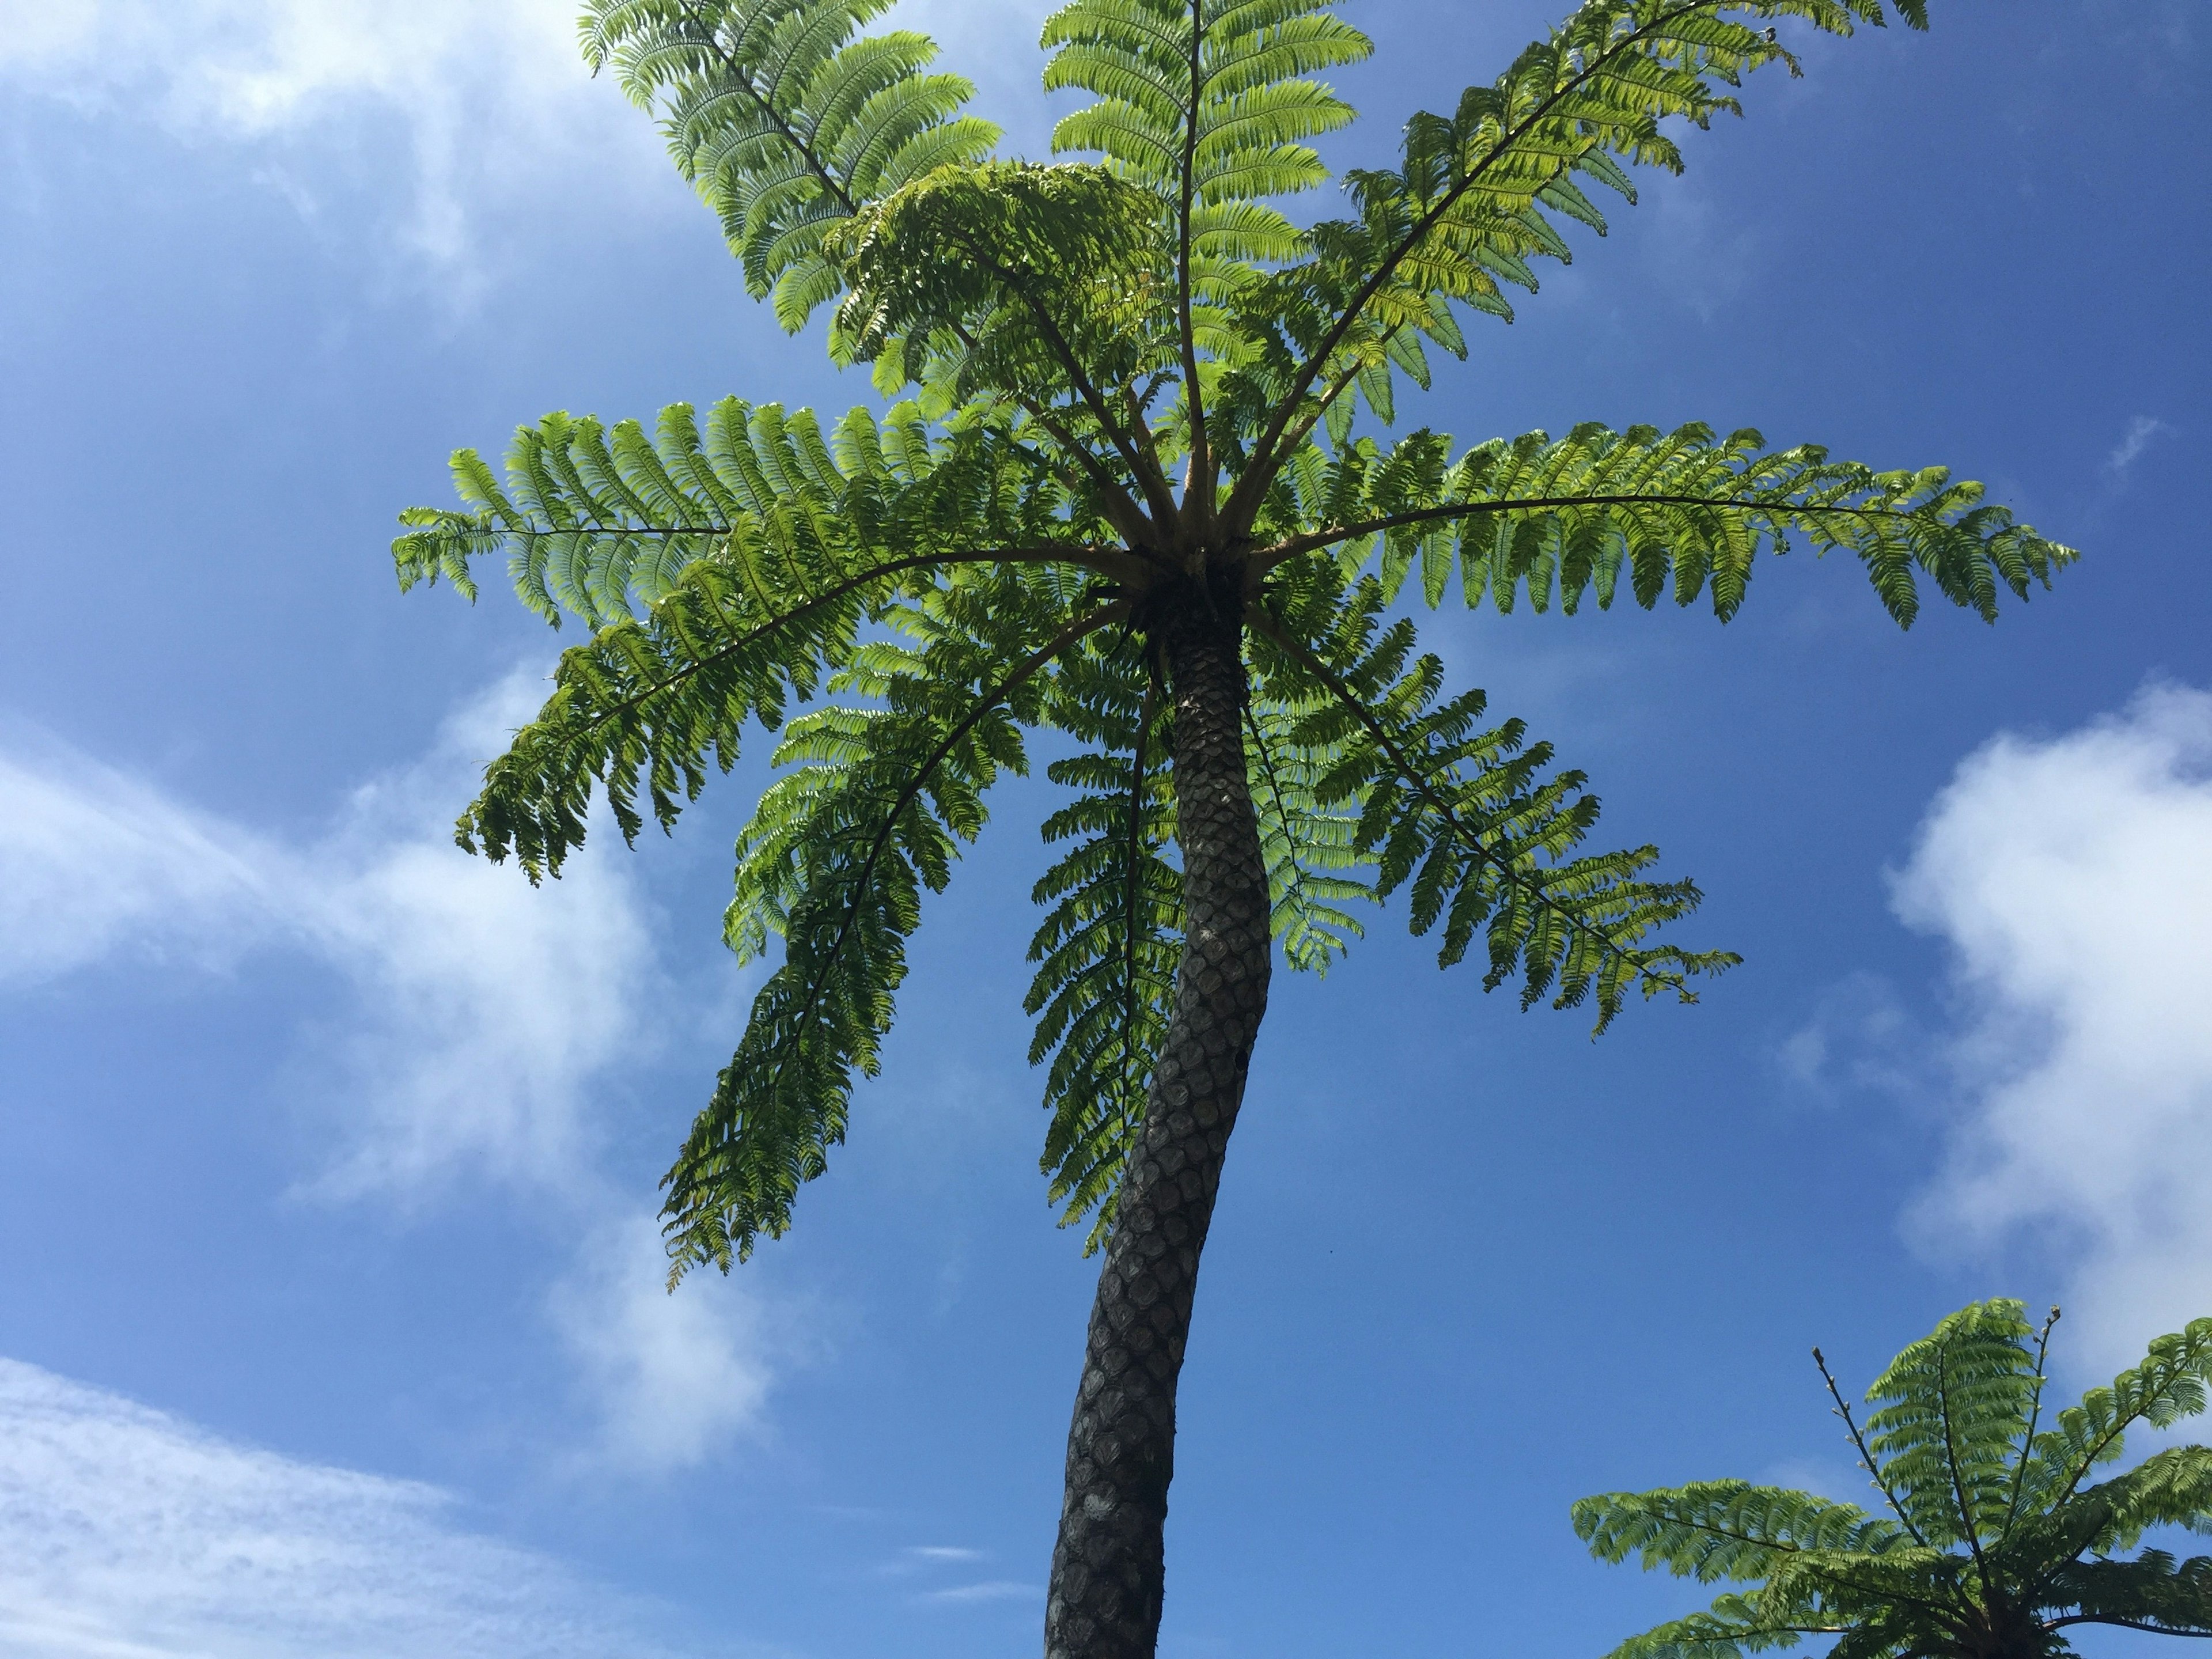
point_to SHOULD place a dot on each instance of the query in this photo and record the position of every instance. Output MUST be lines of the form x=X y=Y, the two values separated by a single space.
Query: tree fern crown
x=1115 y=387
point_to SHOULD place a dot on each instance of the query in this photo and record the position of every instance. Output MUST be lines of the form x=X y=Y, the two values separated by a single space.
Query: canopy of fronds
x=1123 y=379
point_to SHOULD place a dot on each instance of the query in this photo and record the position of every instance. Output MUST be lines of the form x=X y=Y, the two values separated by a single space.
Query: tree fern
x=1993 y=1548
x=1128 y=498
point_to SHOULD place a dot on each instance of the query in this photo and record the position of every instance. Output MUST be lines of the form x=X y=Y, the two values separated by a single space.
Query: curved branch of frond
x=2034 y=1420
x=1297 y=875
x=1268 y=558
x=797 y=612
x=2123 y=1624
x=1149 y=479
x=1414 y=778
x=1265 y=452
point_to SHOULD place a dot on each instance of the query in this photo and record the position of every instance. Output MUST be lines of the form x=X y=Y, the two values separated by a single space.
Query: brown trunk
x=1106 y=1569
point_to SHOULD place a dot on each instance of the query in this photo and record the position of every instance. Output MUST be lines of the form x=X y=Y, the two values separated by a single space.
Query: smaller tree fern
x=1996 y=1542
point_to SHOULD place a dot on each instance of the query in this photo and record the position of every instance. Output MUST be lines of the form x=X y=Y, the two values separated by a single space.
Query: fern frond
x=1951 y=1409
x=1315 y=865
x=1479 y=193
x=1108 y=948
x=1679 y=514
x=787 y=120
x=837 y=866
x=1465 y=817
x=725 y=569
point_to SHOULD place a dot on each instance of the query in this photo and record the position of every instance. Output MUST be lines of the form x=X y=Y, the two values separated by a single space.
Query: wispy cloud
x=487 y=1007
x=2072 y=878
x=996 y=1589
x=126 y=1534
x=484 y=1019
x=2141 y=430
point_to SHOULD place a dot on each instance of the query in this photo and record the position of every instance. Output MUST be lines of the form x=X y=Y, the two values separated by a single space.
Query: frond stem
x=2034 y=1416
x=1866 y=1457
x=1268 y=558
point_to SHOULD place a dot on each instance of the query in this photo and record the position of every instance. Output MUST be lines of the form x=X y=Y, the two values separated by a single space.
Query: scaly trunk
x=1106 y=1569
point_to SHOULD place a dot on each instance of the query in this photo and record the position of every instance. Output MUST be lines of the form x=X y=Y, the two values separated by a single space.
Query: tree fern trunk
x=1106 y=1569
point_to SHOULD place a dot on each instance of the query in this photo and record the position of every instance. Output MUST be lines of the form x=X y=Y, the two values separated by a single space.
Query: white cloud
x=496 y=1008
x=484 y=1018
x=126 y=1534
x=2073 y=879
x=2141 y=430
x=490 y=97
x=674 y=1379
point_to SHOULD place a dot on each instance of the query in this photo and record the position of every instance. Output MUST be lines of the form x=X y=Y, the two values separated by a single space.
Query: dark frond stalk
x=2034 y=1420
x=1866 y=1457
x=1197 y=500
x=1958 y=1481
x=1107 y=1567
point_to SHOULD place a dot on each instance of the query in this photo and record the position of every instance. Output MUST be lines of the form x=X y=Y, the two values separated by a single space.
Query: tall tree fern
x=1994 y=1539
x=1121 y=491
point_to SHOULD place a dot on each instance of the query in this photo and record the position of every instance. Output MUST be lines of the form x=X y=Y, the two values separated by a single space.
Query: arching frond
x=787 y=119
x=2167 y=1386
x=1465 y=817
x=835 y=862
x=1679 y=515
x=2151 y=1592
x=1726 y=1529
x=726 y=570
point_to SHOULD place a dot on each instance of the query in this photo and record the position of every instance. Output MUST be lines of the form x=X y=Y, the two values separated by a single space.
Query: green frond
x=1041 y=273
x=1480 y=193
x=2167 y=1386
x=1211 y=95
x=1107 y=949
x=726 y=568
x=1469 y=820
x=836 y=861
x=1951 y=1412
x=787 y=119
x=1680 y=515
x=1315 y=864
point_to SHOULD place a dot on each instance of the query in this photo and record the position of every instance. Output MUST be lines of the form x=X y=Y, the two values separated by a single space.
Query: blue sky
x=330 y=1322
